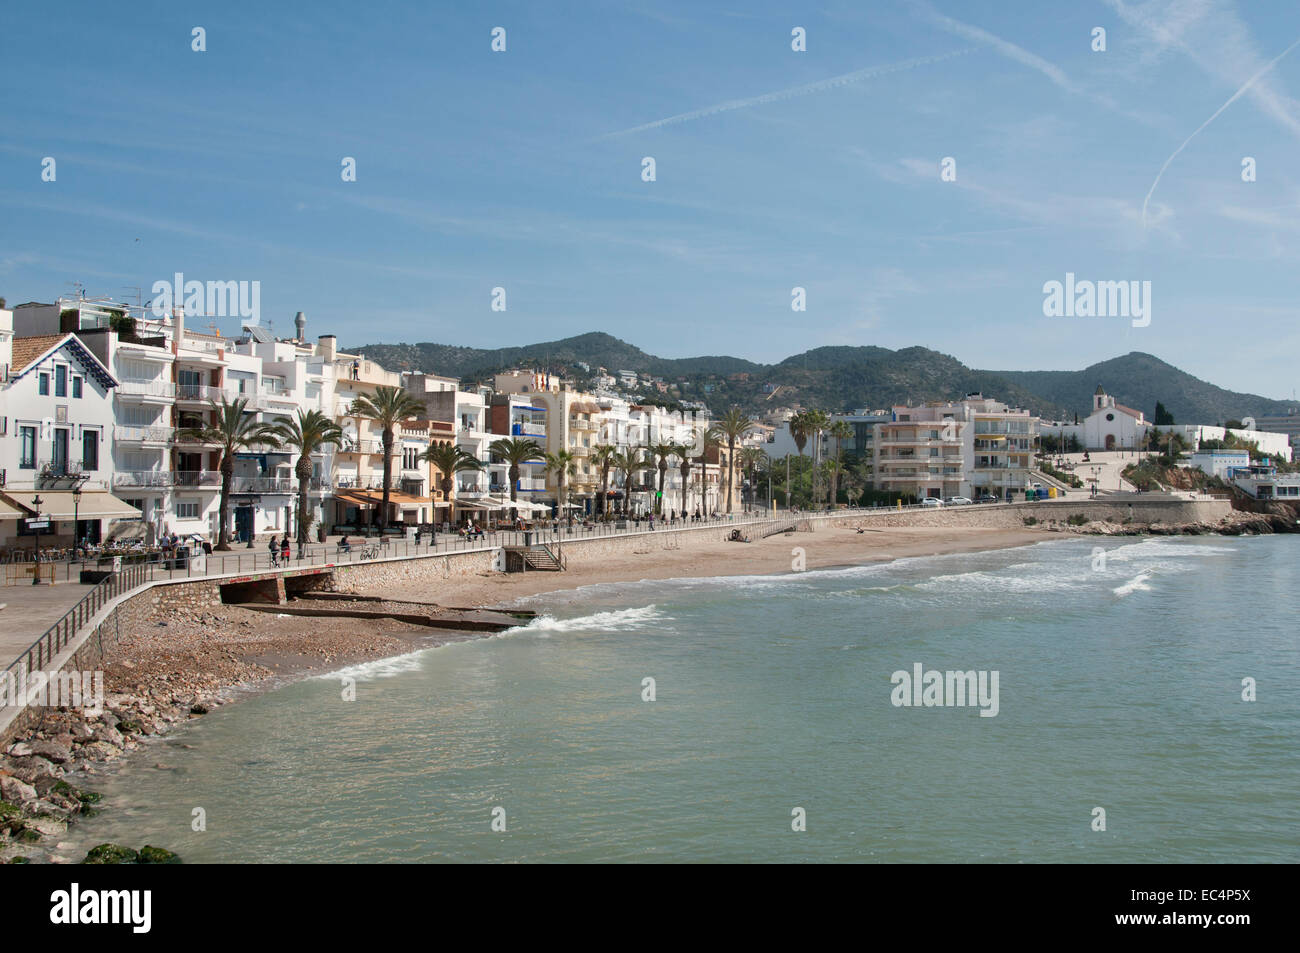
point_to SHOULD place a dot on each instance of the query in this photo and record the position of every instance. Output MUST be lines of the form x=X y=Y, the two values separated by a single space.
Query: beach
x=828 y=547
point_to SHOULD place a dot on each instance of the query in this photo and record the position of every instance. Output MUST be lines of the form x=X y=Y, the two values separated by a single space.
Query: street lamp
x=76 y=523
x=36 y=566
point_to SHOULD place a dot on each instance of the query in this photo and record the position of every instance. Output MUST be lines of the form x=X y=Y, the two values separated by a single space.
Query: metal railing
x=149 y=434
x=61 y=633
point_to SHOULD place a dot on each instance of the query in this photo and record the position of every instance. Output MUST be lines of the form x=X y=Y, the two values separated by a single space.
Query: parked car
x=986 y=498
x=932 y=501
x=956 y=501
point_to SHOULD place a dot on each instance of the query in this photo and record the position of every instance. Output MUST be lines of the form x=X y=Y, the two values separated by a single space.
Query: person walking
x=284 y=549
x=275 y=551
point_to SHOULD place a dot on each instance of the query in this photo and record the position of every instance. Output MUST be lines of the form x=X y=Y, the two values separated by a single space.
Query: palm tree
x=387 y=406
x=449 y=460
x=308 y=433
x=683 y=454
x=711 y=440
x=603 y=457
x=233 y=430
x=516 y=451
x=564 y=465
x=660 y=452
x=750 y=458
x=732 y=427
x=841 y=430
x=625 y=462
x=799 y=430
x=815 y=422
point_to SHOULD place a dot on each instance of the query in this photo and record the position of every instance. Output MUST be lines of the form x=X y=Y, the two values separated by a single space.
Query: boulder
x=52 y=750
x=15 y=791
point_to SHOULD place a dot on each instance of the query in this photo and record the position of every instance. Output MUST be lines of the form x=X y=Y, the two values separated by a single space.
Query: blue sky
x=775 y=169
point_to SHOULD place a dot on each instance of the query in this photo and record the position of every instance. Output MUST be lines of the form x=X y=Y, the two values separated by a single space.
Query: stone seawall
x=1013 y=516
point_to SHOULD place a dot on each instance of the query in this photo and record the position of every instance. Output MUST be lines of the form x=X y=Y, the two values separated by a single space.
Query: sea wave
x=1137 y=584
x=380 y=668
x=615 y=620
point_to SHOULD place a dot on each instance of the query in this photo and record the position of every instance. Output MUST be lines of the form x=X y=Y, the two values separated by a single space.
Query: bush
x=1076 y=519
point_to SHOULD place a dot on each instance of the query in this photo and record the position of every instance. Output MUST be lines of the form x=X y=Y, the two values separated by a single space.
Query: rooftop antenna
x=136 y=289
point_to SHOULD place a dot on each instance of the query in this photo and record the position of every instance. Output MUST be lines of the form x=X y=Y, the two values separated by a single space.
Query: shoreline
x=176 y=671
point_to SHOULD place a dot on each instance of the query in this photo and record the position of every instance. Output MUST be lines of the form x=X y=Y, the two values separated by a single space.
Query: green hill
x=847 y=378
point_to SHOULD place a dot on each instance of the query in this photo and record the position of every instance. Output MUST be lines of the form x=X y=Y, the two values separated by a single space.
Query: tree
x=307 y=433
x=234 y=430
x=626 y=462
x=564 y=465
x=1163 y=417
x=799 y=431
x=841 y=430
x=660 y=452
x=732 y=427
x=602 y=456
x=449 y=460
x=516 y=451
x=815 y=422
x=683 y=454
x=750 y=458
x=711 y=440
x=387 y=406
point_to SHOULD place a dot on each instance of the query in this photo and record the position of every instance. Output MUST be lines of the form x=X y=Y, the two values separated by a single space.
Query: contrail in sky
x=844 y=79
x=1235 y=96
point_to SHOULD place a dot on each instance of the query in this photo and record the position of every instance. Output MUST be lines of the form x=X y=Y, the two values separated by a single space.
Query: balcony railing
x=527 y=429
x=193 y=478
x=261 y=484
x=147 y=388
x=143 y=478
x=202 y=392
x=144 y=434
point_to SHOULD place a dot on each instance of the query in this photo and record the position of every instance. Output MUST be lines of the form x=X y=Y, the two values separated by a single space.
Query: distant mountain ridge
x=846 y=378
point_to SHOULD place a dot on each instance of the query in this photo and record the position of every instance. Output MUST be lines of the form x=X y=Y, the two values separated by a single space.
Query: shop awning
x=8 y=512
x=93 y=505
x=376 y=498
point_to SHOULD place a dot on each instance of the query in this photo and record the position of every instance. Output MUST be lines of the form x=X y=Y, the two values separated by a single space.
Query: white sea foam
x=615 y=620
x=380 y=668
x=1137 y=584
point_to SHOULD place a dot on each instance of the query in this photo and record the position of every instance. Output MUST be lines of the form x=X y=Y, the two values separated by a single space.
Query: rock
x=50 y=809
x=108 y=734
x=52 y=750
x=20 y=750
x=31 y=769
x=111 y=854
x=199 y=709
x=82 y=732
x=157 y=855
x=15 y=791
x=101 y=751
x=46 y=826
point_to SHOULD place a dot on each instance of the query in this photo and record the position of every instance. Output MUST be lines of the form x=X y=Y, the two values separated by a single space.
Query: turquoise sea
x=1120 y=683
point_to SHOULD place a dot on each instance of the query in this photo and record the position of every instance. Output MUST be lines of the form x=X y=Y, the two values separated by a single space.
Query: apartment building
x=964 y=448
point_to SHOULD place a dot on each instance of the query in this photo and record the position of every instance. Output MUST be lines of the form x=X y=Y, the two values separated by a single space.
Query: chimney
x=178 y=329
x=327 y=347
x=300 y=324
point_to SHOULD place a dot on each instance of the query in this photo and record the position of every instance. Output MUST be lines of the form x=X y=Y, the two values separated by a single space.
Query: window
x=60 y=381
x=76 y=387
x=90 y=450
x=43 y=384
x=187 y=509
x=27 y=436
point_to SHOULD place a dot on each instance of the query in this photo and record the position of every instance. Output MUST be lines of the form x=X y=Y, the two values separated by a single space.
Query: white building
x=1219 y=463
x=56 y=432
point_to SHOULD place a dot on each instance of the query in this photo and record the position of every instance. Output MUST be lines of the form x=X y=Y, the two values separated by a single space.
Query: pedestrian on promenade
x=284 y=549
x=275 y=551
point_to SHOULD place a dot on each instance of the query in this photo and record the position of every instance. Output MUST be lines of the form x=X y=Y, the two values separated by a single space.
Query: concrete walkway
x=30 y=610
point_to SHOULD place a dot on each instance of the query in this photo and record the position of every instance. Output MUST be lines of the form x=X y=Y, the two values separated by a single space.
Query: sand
x=825 y=548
